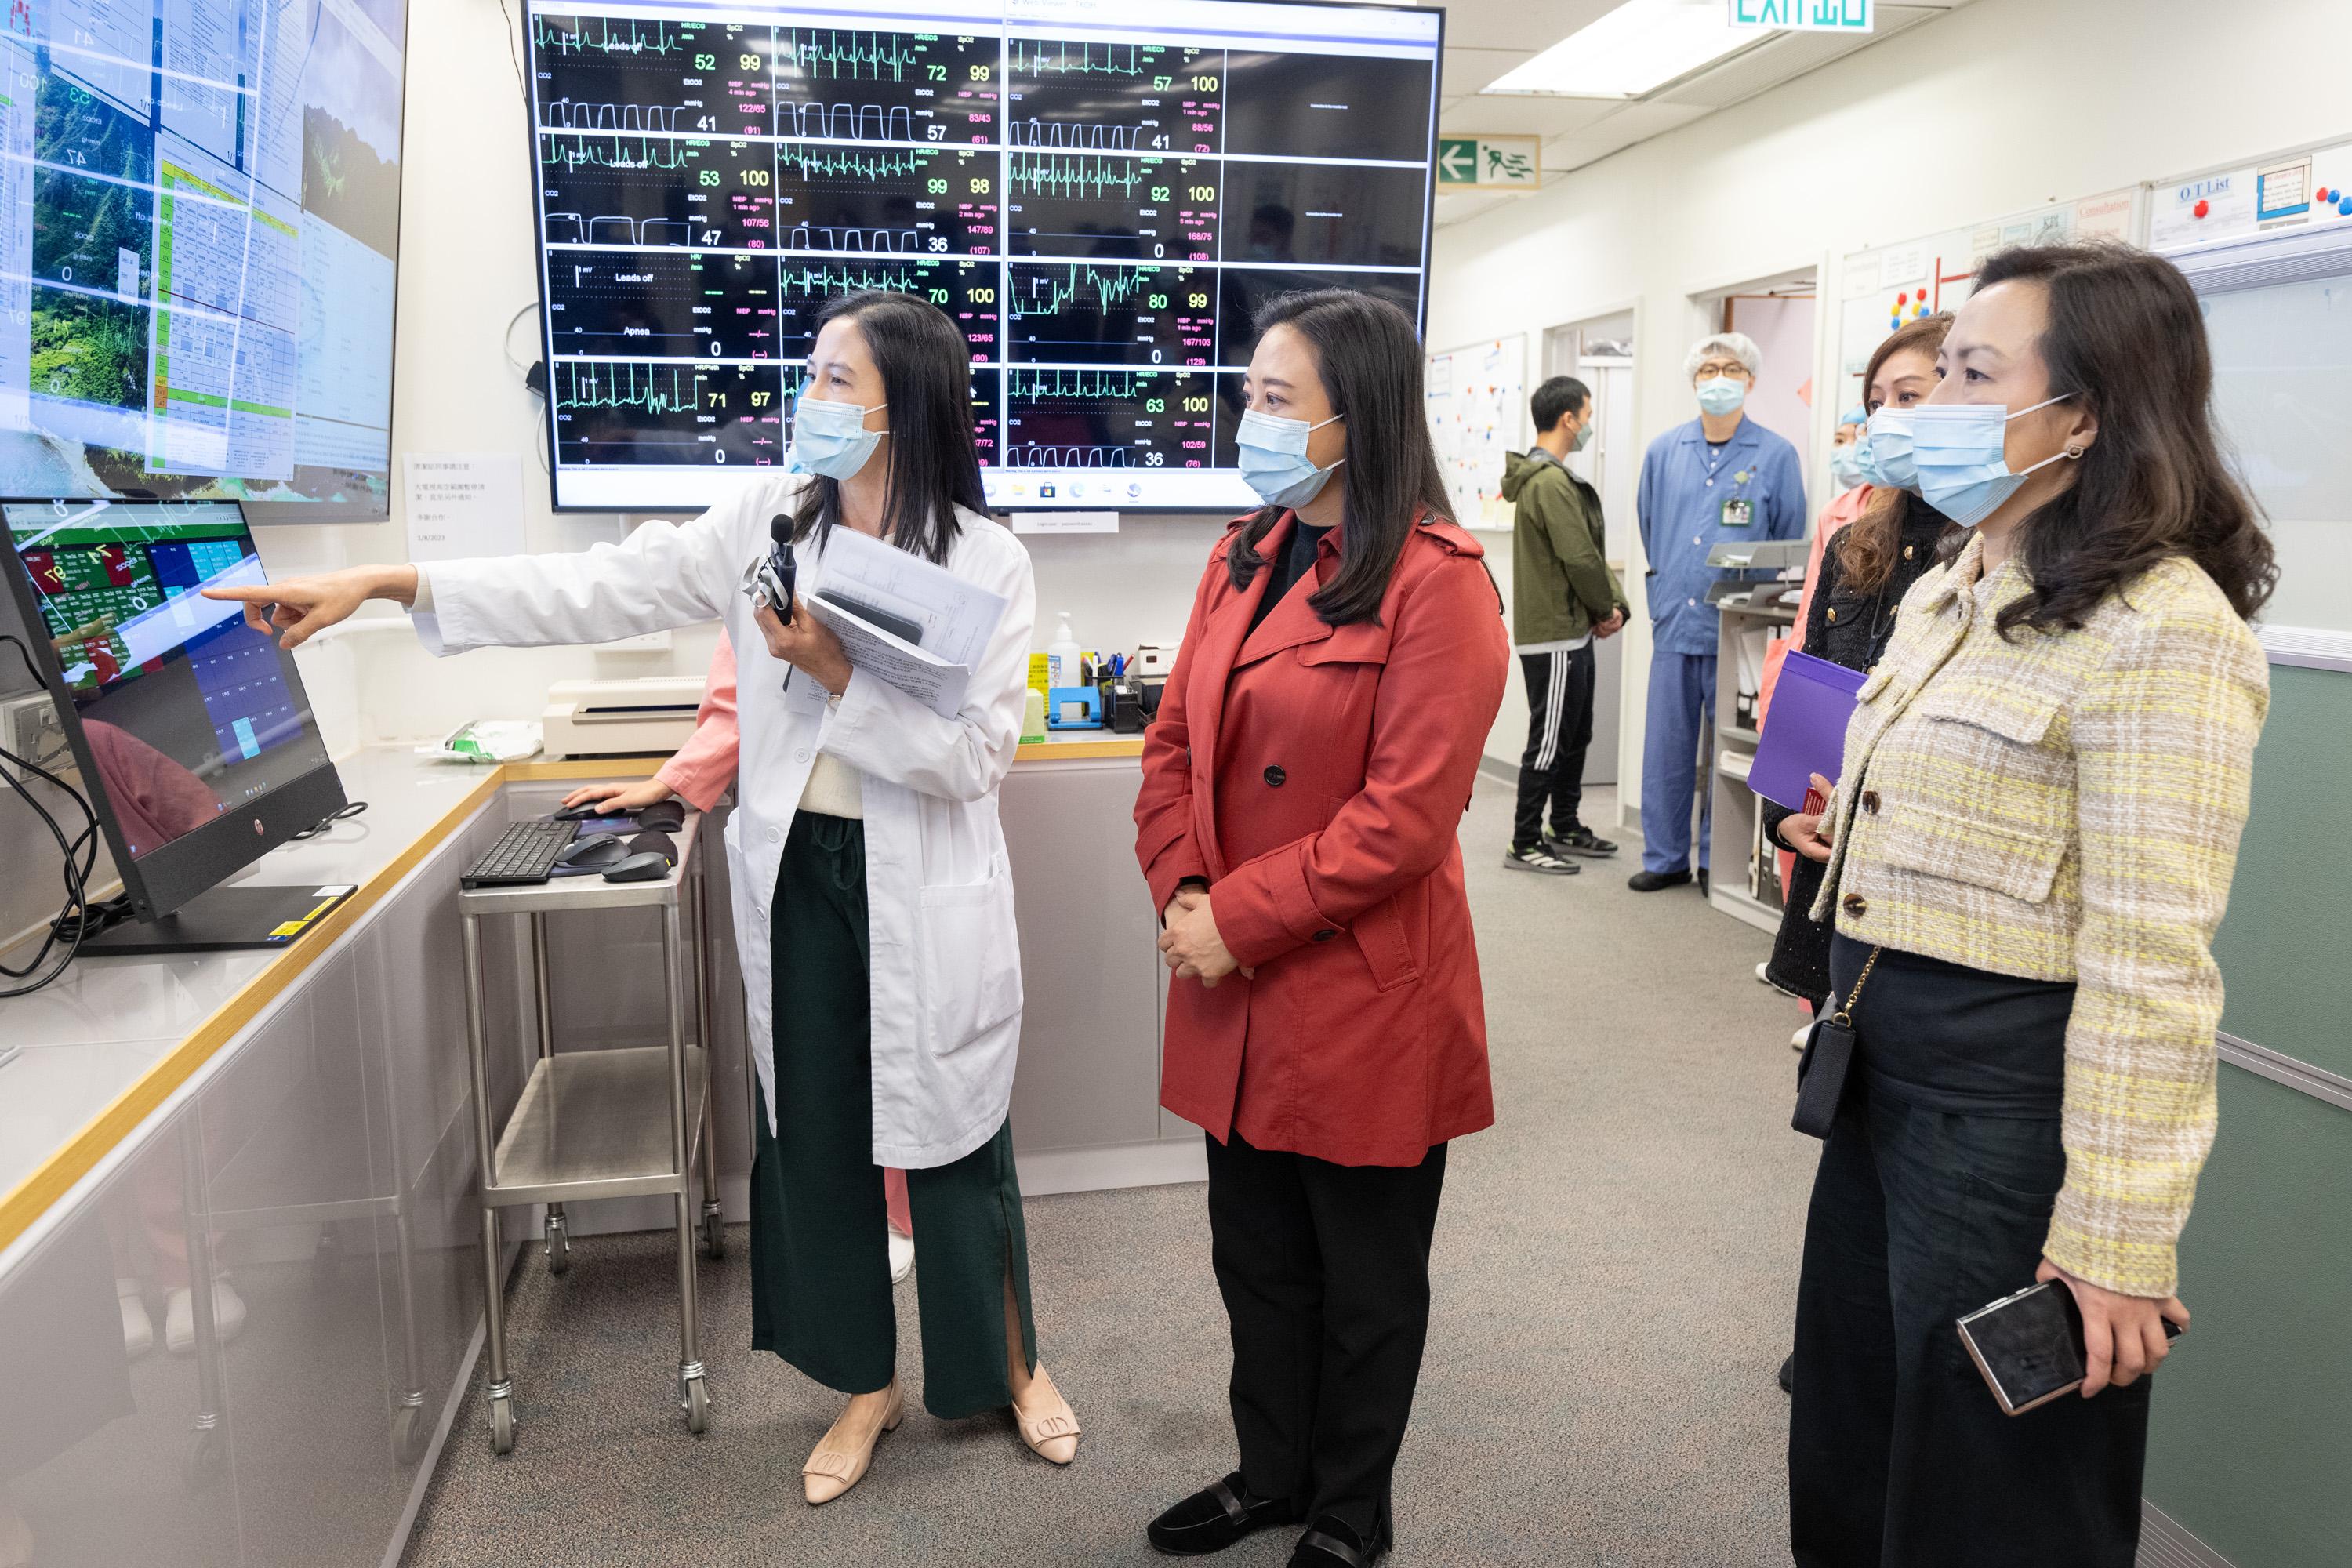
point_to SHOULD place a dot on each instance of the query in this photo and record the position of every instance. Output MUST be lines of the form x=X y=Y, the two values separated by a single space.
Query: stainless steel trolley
x=592 y=1124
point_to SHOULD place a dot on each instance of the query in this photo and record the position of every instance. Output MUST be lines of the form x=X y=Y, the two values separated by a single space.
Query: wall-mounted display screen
x=199 y=210
x=1101 y=193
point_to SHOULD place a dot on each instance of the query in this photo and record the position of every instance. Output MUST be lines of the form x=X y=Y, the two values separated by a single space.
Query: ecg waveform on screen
x=1085 y=385
x=1078 y=176
x=603 y=36
x=576 y=228
x=618 y=153
x=850 y=163
x=1046 y=56
x=852 y=56
x=821 y=282
x=1048 y=289
x=652 y=388
x=838 y=237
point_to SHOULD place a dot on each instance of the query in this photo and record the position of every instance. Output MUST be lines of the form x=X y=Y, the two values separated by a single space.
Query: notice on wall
x=1477 y=402
x=463 y=503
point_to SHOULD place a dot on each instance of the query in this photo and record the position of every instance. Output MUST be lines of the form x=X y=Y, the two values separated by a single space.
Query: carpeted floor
x=1615 y=1268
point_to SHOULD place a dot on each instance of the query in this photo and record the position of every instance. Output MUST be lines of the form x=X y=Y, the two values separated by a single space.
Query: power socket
x=29 y=728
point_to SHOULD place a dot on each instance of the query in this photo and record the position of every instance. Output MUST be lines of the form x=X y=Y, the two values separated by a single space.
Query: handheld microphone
x=770 y=579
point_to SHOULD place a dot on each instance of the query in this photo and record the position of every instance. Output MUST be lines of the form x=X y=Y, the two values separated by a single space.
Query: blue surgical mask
x=1273 y=459
x=1961 y=451
x=831 y=438
x=1882 y=450
x=1845 y=464
x=1720 y=395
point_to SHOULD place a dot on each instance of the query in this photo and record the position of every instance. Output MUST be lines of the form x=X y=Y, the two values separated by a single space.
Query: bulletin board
x=1881 y=288
x=2303 y=189
x=1478 y=401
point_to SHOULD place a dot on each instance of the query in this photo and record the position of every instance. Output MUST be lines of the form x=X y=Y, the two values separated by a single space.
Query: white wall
x=2003 y=105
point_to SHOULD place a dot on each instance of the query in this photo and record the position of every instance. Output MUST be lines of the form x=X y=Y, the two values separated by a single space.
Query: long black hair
x=2126 y=337
x=934 y=460
x=1368 y=358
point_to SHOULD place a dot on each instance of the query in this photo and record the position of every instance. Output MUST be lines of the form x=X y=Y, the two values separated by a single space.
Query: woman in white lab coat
x=872 y=904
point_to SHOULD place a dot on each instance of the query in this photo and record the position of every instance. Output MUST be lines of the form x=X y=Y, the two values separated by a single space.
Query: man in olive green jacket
x=1563 y=596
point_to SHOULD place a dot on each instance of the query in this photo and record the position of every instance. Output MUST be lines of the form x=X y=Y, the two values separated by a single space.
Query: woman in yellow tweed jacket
x=2032 y=836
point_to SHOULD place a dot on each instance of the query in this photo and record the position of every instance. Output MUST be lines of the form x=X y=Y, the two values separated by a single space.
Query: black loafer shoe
x=1332 y=1542
x=1651 y=881
x=1211 y=1519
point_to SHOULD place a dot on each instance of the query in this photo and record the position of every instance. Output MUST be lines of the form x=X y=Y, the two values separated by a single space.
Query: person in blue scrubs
x=1721 y=477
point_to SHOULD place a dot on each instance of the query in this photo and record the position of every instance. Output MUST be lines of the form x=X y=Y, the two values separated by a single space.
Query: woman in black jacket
x=1866 y=571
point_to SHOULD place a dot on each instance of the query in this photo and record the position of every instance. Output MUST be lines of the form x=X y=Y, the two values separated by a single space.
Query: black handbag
x=1829 y=1055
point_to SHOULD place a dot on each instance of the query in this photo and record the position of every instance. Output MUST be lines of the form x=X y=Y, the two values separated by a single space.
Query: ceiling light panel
x=1636 y=49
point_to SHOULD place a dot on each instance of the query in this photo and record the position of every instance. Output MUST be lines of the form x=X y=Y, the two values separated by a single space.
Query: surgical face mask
x=1720 y=395
x=1845 y=464
x=1273 y=457
x=831 y=438
x=1583 y=438
x=1883 y=451
x=1960 y=449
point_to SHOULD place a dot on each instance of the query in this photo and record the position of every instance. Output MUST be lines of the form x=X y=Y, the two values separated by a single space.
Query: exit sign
x=1804 y=16
x=1489 y=164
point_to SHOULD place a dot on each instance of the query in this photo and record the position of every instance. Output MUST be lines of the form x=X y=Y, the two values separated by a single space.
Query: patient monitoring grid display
x=1101 y=195
x=199 y=205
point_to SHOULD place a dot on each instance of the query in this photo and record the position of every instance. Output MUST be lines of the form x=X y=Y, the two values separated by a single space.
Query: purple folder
x=1804 y=730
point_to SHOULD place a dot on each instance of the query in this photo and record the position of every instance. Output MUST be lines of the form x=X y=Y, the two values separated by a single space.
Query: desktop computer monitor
x=191 y=731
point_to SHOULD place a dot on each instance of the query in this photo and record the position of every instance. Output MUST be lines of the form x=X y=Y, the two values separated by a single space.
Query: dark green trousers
x=820 y=1263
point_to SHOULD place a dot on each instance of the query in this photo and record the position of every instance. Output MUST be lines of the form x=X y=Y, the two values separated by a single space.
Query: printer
x=617 y=718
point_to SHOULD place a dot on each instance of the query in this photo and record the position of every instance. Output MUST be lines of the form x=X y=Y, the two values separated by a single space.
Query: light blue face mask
x=1961 y=451
x=1273 y=457
x=1720 y=395
x=1882 y=450
x=831 y=438
x=1845 y=464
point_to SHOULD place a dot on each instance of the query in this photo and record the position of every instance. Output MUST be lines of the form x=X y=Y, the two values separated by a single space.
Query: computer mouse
x=578 y=812
x=647 y=867
x=597 y=849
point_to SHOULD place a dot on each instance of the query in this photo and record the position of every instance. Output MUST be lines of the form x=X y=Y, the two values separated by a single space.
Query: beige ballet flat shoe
x=1052 y=1436
x=831 y=1471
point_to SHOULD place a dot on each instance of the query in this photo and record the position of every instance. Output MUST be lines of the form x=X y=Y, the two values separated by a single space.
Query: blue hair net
x=1857 y=414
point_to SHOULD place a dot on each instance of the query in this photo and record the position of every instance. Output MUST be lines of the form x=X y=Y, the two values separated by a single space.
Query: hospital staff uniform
x=874 y=921
x=1693 y=496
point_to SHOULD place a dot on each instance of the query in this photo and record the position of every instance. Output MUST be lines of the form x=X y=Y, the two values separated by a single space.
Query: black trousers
x=1560 y=729
x=1325 y=1272
x=1933 y=1198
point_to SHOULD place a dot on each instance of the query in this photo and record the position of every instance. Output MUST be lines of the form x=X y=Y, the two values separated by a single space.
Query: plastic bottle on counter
x=1032 y=717
x=1062 y=655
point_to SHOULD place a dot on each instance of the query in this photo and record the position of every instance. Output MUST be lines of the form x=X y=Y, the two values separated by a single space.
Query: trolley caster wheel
x=409 y=1433
x=558 y=1245
x=501 y=1425
x=204 y=1460
x=698 y=1406
x=714 y=1234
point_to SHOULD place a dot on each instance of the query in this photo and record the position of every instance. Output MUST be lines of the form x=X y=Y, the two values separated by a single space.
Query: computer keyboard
x=521 y=856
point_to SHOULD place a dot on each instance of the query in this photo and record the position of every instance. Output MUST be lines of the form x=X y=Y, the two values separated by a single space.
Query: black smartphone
x=2029 y=1345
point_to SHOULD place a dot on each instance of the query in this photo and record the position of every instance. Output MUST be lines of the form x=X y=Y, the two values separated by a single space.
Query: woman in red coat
x=1313 y=756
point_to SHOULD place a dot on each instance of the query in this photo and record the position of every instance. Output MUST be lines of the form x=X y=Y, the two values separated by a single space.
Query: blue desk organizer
x=1059 y=697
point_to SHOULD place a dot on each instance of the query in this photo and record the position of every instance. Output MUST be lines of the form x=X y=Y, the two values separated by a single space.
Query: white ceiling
x=1484 y=38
